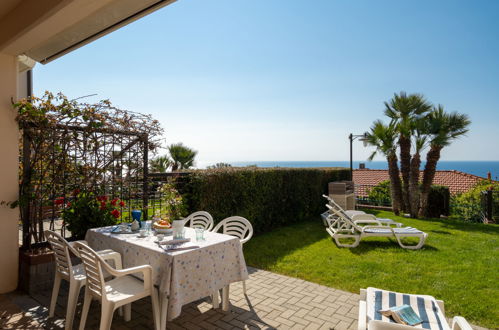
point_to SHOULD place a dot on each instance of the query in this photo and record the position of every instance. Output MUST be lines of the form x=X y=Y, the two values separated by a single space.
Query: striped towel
x=425 y=306
x=404 y=230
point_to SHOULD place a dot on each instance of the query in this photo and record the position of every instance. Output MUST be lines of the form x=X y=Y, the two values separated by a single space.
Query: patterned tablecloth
x=181 y=276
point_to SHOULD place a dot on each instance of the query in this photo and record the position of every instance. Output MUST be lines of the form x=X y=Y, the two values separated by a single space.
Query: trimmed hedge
x=267 y=197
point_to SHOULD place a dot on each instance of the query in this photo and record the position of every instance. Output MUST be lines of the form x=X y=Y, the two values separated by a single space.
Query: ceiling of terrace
x=48 y=29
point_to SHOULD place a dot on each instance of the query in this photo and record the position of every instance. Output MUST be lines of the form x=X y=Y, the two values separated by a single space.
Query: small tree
x=182 y=157
x=442 y=129
x=383 y=138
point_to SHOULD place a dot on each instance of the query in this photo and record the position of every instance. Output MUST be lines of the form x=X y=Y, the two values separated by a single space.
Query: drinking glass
x=199 y=233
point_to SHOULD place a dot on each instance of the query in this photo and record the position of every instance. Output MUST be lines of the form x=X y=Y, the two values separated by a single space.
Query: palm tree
x=404 y=110
x=414 y=191
x=182 y=157
x=442 y=129
x=160 y=164
x=383 y=137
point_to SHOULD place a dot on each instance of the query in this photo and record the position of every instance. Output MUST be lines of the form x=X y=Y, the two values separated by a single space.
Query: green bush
x=438 y=200
x=267 y=197
x=380 y=194
x=87 y=210
x=468 y=205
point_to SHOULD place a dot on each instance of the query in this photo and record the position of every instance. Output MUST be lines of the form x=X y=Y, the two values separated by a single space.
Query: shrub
x=380 y=194
x=438 y=200
x=172 y=204
x=468 y=205
x=87 y=210
x=267 y=197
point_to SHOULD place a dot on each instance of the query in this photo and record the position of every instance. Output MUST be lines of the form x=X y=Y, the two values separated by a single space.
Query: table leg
x=215 y=297
x=163 y=307
x=225 y=299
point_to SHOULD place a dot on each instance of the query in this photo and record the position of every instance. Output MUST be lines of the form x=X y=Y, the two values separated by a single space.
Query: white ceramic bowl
x=163 y=231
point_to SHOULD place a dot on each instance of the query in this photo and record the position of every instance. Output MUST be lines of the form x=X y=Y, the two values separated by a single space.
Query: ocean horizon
x=479 y=168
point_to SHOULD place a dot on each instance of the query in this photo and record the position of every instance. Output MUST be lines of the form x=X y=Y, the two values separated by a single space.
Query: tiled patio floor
x=272 y=301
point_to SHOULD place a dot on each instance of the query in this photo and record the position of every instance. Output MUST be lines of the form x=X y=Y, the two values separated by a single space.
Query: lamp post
x=353 y=137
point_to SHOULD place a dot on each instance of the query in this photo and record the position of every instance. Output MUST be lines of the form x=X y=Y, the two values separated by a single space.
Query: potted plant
x=88 y=210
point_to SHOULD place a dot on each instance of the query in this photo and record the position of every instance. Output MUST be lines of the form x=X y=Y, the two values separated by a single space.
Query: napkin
x=175 y=241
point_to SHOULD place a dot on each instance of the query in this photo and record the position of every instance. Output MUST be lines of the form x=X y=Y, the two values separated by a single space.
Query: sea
x=480 y=168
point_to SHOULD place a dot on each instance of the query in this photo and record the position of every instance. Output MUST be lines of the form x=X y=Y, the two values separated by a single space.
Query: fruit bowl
x=162 y=227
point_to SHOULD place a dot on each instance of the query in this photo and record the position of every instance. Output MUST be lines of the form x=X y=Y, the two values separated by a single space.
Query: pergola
x=41 y=31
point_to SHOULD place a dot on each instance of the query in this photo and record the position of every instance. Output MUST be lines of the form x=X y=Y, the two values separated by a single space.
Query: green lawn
x=458 y=264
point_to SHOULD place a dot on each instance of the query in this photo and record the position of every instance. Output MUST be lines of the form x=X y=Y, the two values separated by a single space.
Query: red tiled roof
x=457 y=181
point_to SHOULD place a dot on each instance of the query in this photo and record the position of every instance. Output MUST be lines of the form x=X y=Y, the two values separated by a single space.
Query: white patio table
x=181 y=276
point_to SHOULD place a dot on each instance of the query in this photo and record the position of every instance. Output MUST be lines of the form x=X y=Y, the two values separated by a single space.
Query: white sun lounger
x=430 y=310
x=354 y=214
x=344 y=227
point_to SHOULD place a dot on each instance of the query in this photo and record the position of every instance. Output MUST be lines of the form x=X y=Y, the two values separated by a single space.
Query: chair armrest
x=366 y=216
x=362 y=323
x=460 y=323
x=380 y=325
x=132 y=270
x=375 y=222
x=379 y=227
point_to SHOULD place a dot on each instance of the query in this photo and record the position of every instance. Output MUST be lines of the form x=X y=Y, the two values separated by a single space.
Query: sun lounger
x=355 y=215
x=430 y=310
x=344 y=227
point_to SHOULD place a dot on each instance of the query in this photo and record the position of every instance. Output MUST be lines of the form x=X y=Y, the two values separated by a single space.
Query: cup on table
x=199 y=233
x=160 y=237
x=143 y=233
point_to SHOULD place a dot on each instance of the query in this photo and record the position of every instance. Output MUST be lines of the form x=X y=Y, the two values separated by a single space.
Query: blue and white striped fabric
x=425 y=306
x=404 y=230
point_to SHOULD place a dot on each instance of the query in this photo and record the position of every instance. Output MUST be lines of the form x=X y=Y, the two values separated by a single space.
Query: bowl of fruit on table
x=162 y=227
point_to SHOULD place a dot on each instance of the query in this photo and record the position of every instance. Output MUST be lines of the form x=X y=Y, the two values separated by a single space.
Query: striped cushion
x=404 y=230
x=425 y=306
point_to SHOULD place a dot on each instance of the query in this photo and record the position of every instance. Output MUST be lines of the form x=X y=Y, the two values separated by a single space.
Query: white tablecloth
x=181 y=276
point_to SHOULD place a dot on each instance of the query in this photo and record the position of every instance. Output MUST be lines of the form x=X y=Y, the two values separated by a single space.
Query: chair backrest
x=61 y=250
x=93 y=269
x=344 y=220
x=333 y=203
x=236 y=226
x=200 y=219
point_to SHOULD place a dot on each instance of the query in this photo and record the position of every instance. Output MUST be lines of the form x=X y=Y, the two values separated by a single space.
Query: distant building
x=457 y=181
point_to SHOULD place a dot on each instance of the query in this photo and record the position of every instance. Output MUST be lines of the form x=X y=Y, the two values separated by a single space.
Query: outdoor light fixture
x=352 y=137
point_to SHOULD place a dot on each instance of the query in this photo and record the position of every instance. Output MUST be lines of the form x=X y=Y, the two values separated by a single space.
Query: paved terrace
x=273 y=301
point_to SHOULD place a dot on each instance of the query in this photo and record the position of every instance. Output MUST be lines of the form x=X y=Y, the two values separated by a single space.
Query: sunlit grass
x=458 y=264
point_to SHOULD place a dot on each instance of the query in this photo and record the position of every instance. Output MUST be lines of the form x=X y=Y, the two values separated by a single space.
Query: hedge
x=267 y=197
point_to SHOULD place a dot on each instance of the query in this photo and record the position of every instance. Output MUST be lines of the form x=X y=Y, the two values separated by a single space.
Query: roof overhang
x=46 y=30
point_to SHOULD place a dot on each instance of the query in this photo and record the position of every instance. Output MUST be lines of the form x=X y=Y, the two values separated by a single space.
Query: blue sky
x=289 y=80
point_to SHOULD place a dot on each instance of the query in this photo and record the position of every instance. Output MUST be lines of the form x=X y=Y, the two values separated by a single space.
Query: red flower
x=102 y=198
x=76 y=192
x=115 y=213
x=102 y=205
x=59 y=201
x=68 y=204
x=122 y=204
x=114 y=201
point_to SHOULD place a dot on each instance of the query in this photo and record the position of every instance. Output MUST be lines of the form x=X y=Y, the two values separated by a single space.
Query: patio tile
x=273 y=302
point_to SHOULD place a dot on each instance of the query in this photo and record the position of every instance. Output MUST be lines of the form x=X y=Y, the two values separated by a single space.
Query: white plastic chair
x=122 y=290
x=239 y=227
x=75 y=275
x=200 y=219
